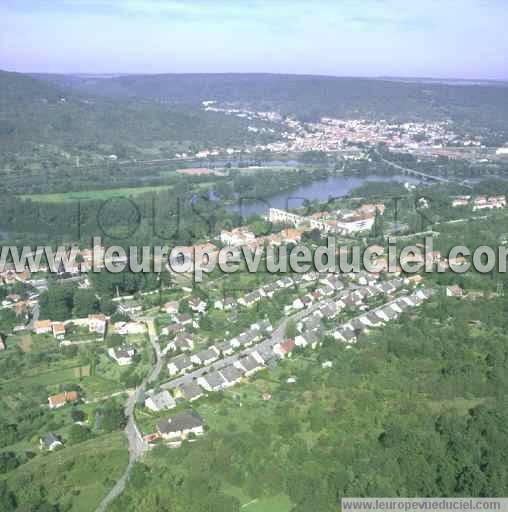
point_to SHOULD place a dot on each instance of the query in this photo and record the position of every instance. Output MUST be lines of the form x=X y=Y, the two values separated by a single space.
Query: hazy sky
x=432 y=38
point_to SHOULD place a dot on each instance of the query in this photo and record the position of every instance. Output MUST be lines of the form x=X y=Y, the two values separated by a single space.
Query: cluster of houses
x=242 y=237
x=310 y=333
x=330 y=309
x=184 y=363
x=95 y=323
x=349 y=331
x=341 y=222
x=268 y=290
x=330 y=284
x=480 y=202
x=179 y=323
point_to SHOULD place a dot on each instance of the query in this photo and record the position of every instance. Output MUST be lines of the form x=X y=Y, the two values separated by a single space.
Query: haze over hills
x=311 y=97
x=163 y=113
x=39 y=111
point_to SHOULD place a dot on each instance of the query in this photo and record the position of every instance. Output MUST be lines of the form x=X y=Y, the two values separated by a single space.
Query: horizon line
x=113 y=74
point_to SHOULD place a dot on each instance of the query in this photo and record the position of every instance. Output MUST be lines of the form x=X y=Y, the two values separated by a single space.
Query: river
x=320 y=190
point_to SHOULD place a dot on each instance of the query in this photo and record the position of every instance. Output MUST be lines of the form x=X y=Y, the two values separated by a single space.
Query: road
x=276 y=337
x=137 y=445
x=413 y=172
x=35 y=316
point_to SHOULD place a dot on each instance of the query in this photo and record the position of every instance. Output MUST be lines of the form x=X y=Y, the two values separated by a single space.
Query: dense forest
x=311 y=97
x=416 y=409
x=33 y=111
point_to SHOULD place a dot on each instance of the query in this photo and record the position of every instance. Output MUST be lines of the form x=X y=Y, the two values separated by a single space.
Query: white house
x=160 y=401
x=206 y=357
x=181 y=426
x=179 y=364
x=122 y=355
x=212 y=381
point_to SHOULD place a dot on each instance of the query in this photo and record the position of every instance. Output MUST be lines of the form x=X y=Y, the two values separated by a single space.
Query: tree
x=57 y=302
x=112 y=416
x=78 y=415
x=78 y=434
x=290 y=331
x=8 y=462
x=7 y=499
x=85 y=303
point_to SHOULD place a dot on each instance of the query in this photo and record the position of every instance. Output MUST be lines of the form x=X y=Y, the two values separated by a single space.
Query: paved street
x=276 y=337
x=137 y=445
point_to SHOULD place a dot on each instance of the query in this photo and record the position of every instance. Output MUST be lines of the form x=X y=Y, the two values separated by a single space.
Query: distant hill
x=63 y=113
x=310 y=97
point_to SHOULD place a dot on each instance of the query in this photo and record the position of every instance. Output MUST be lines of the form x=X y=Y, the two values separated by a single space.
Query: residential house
x=42 y=327
x=171 y=307
x=285 y=282
x=172 y=329
x=307 y=300
x=237 y=237
x=206 y=357
x=129 y=308
x=248 y=365
x=329 y=310
x=226 y=348
x=262 y=325
x=461 y=201
x=387 y=313
x=50 y=442
x=263 y=354
x=311 y=339
x=190 y=391
x=225 y=304
x=61 y=399
x=345 y=335
x=310 y=323
x=297 y=304
x=123 y=354
x=454 y=291
x=400 y=305
x=284 y=349
x=125 y=328
x=374 y=318
x=232 y=375
x=58 y=329
x=160 y=401
x=180 y=364
x=269 y=289
x=248 y=338
x=181 y=426
x=250 y=298
x=183 y=342
x=213 y=381
x=197 y=305
x=97 y=324
x=183 y=319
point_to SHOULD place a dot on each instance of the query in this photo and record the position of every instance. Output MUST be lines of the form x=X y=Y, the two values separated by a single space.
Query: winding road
x=137 y=445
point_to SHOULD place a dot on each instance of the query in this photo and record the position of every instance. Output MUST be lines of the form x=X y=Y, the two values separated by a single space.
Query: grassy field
x=93 y=194
x=78 y=476
x=279 y=503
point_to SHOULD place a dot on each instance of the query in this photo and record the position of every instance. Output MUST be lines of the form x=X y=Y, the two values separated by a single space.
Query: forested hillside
x=33 y=111
x=313 y=96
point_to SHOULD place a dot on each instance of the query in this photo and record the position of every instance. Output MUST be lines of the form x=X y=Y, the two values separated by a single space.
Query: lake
x=320 y=190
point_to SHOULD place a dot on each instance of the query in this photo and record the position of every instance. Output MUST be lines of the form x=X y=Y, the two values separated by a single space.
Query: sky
x=425 y=38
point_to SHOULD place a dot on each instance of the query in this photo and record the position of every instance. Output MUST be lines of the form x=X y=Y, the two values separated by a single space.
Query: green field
x=88 y=195
x=78 y=476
